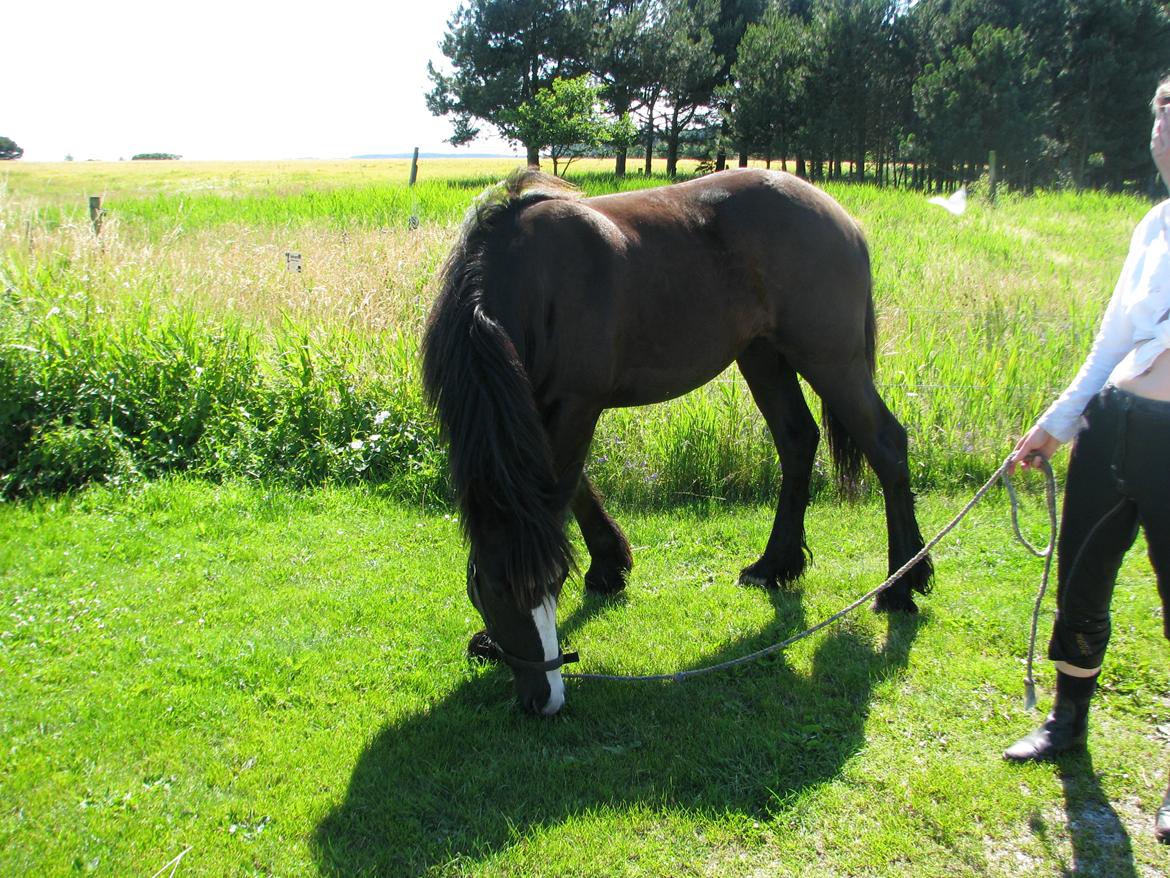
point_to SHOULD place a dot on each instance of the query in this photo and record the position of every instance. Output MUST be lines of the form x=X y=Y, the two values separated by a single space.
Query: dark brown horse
x=554 y=307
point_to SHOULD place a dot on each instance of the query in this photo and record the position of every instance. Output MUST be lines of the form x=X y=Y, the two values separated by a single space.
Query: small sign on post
x=95 y=213
x=292 y=261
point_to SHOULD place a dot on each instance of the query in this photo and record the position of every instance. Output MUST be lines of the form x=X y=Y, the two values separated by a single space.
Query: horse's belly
x=647 y=384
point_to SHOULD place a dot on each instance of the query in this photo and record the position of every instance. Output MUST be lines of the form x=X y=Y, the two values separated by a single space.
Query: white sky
x=218 y=79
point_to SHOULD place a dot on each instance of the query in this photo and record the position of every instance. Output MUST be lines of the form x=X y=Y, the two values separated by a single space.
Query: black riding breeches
x=1118 y=478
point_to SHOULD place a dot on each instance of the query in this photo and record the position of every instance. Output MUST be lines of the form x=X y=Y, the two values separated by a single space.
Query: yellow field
x=59 y=182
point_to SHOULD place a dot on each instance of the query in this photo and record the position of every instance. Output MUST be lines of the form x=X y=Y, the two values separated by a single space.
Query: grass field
x=273 y=681
x=232 y=614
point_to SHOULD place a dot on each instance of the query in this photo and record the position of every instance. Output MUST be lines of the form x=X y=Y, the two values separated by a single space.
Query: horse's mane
x=500 y=460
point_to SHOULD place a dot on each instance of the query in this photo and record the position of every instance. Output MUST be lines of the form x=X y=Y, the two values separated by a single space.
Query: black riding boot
x=1066 y=727
x=1162 y=820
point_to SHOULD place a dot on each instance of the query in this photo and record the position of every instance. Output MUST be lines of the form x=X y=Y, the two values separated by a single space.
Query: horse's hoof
x=771 y=576
x=890 y=603
x=748 y=577
x=481 y=648
x=605 y=580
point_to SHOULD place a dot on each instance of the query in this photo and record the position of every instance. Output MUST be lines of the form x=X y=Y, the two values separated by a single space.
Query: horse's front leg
x=570 y=424
x=610 y=558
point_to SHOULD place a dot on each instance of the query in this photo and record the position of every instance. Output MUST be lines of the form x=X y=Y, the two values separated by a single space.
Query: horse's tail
x=847 y=458
x=499 y=456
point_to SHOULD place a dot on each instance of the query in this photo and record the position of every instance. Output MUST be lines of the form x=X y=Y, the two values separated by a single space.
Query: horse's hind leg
x=849 y=393
x=777 y=392
x=609 y=550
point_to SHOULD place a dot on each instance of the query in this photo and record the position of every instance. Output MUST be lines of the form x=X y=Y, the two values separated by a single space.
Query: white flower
x=380 y=418
x=357 y=445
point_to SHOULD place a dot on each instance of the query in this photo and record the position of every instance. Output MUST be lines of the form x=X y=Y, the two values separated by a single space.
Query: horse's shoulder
x=566 y=216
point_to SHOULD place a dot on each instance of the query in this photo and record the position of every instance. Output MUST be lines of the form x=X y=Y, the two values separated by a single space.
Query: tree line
x=912 y=92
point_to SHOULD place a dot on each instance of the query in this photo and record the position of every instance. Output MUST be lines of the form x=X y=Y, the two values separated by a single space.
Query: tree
x=849 y=46
x=504 y=52
x=690 y=67
x=155 y=156
x=990 y=95
x=623 y=59
x=564 y=118
x=9 y=150
x=762 y=98
x=1107 y=65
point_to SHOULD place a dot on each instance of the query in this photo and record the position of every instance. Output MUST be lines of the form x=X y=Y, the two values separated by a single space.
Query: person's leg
x=1098 y=525
x=1149 y=471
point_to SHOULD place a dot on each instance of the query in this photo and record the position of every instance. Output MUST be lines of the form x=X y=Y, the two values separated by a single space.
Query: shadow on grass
x=471 y=776
x=1100 y=844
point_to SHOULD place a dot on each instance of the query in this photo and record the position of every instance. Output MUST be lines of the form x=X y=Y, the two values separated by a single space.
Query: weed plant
x=179 y=341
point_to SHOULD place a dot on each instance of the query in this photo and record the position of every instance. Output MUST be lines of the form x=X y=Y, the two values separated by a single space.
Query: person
x=1118 y=409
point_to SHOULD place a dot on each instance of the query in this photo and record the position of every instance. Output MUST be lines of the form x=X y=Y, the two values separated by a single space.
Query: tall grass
x=180 y=341
x=108 y=394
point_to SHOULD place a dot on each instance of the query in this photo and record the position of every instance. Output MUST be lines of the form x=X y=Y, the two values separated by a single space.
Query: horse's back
x=660 y=289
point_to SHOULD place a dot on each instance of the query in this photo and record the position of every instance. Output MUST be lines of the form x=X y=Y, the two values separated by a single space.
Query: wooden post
x=95 y=213
x=991 y=169
x=412 y=223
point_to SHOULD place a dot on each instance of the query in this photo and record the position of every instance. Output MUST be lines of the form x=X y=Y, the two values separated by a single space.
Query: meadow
x=178 y=340
x=231 y=608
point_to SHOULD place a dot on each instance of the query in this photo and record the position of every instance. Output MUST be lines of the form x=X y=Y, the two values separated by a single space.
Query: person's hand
x=1037 y=441
x=1160 y=143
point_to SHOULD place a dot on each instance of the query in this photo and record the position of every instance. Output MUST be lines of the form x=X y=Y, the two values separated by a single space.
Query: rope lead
x=1046 y=553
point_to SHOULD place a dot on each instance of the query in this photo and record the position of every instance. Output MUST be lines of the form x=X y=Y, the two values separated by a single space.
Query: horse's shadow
x=448 y=779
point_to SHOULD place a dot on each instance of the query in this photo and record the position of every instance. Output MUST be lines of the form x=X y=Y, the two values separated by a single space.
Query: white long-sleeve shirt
x=1134 y=330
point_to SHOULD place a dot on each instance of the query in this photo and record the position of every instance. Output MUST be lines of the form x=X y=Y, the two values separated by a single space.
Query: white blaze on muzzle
x=545 y=618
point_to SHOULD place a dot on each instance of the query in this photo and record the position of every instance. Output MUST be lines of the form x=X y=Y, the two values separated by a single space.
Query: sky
x=214 y=79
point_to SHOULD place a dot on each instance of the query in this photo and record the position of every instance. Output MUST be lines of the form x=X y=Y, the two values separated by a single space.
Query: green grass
x=273 y=681
x=164 y=198
x=259 y=661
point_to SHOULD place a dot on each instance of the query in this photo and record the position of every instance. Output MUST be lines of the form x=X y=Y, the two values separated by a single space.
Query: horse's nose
x=555 y=701
x=538 y=704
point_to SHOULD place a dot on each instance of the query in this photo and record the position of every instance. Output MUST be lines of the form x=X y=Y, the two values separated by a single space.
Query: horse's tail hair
x=500 y=460
x=847 y=457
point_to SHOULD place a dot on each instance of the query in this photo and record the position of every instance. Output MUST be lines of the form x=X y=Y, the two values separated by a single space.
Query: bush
x=86 y=396
x=9 y=150
x=62 y=456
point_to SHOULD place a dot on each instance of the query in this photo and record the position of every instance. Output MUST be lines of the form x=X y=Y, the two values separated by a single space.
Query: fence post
x=95 y=213
x=412 y=224
x=991 y=169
